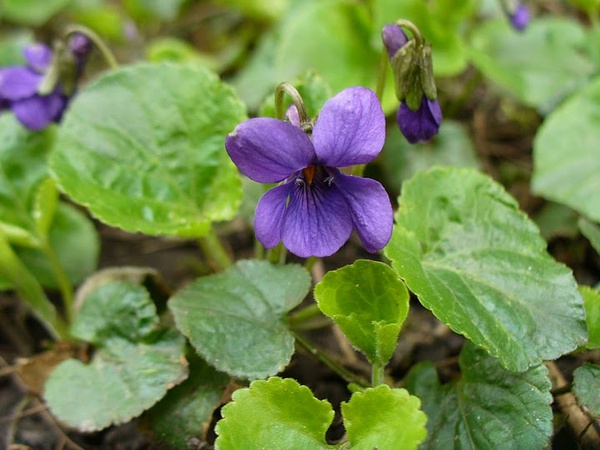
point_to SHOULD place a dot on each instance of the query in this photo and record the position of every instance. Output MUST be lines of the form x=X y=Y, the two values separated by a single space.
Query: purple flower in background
x=20 y=85
x=414 y=79
x=519 y=18
x=316 y=207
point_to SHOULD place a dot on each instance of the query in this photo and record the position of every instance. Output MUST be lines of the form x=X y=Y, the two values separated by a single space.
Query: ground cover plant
x=322 y=224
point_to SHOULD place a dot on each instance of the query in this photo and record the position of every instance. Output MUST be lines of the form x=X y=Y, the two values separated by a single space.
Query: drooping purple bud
x=519 y=19
x=394 y=39
x=80 y=47
x=420 y=125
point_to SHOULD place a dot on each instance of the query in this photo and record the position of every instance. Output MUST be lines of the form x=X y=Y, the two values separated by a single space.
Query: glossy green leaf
x=591 y=299
x=565 y=153
x=382 y=418
x=187 y=409
x=133 y=366
x=400 y=160
x=75 y=242
x=526 y=63
x=23 y=166
x=236 y=320
x=586 y=386
x=369 y=303
x=462 y=245
x=150 y=141
x=487 y=408
x=276 y=413
x=31 y=12
x=330 y=36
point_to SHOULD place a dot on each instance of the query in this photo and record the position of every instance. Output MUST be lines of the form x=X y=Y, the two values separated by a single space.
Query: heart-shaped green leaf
x=369 y=303
x=276 y=413
x=565 y=153
x=382 y=417
x=134 y=364
x=526 y=63
x=462 y=245
x=488 y=408
x=236 y=319
x=586 y=386
x=143 y=149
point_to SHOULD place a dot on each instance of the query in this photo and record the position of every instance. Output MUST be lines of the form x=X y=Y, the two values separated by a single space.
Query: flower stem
x=348 y=376
x=213 y=249
x=377 y=375
x=277 y=254
x=309 y=318
x=64 y=284
x=106 y=52
x=287 y=88
x=414 y=30
x=381 y=79
x=30 y=290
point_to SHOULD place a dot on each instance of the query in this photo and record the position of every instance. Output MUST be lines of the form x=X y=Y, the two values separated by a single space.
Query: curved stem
x=30 y=290
x=416 y=33
x=64 y=284
x=348 y=376
x=381 y=79
x=287 y=88
x=308 y=318
x=107 y=54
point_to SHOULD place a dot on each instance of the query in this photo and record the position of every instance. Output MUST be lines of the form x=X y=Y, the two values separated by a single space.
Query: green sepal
x=412 y=66
x=427 y=78
x=405 y=67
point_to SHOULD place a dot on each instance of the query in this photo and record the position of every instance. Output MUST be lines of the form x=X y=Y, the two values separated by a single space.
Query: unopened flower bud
x=519 y=19
x=419 y=115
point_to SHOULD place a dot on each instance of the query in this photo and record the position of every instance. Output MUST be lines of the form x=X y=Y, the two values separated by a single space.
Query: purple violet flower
x=420 y=125
x=316 y=207
x=19 y=86
x=519 y=19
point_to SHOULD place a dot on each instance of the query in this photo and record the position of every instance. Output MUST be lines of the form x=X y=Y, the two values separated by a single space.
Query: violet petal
x=269 y=150
x=17 y=83
x=292 y=115
x=420 y=125
x=317 y=221
x=38 y=57
x=350 y=129
x=270 y=211
x=394 y=39
x=371 y=210
x=37 y=112
x=520 y=18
